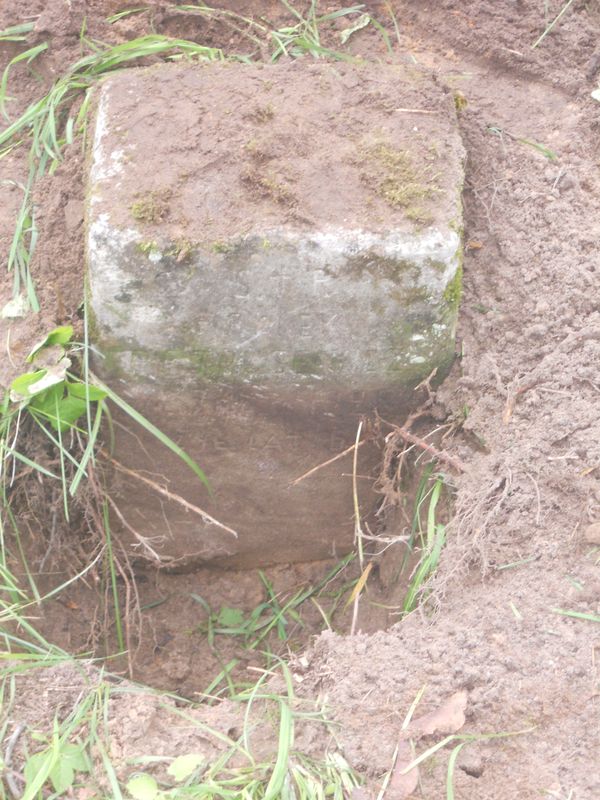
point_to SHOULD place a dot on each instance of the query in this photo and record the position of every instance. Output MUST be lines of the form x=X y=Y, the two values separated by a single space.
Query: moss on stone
x=147 y=247
x=220 y=247
x=210 y=366
x=181 y=250
x=411 y=296
x=453 y=290
x=437 y=265
x=152 y=207
x=213 y=366
x=393 y=175
x=379 y=267
x=307 y=363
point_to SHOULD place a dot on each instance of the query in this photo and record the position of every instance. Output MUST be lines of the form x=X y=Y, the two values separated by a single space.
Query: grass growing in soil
x=429 y=539
x=68 y=407
x=59 y=116
x=272 y=616
x=75 y=753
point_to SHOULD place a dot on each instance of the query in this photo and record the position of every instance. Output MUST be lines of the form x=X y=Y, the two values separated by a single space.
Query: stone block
x=273 y=252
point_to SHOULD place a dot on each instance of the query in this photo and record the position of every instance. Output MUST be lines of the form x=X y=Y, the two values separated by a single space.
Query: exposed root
x=204 y=515
x=439 y=455
x=347 y=451
x=121 y=565
x=474 y=513
x=143 y=541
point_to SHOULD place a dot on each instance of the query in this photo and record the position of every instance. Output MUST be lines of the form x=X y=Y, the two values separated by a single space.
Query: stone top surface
x=201 y=153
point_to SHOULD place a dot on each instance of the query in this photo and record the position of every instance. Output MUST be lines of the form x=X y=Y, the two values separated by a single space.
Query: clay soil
x=522 y=542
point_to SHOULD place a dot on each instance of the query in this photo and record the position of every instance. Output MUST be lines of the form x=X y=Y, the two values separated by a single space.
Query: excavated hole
x=203 y=631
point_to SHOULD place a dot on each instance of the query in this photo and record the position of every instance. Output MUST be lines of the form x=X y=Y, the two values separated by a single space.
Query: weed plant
x=428 y=538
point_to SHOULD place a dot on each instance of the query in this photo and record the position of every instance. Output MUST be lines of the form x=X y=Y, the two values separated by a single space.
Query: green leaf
x=230 y=617
x=74 y=754
x=70 y=409
x=576 y=614
x=20 y=386
x=184 y=766
x=34 y=766
x=61 y=335
x=45 y=402
x=85 y=392
x=61 y=412
x=142 y=787
x=62 y=776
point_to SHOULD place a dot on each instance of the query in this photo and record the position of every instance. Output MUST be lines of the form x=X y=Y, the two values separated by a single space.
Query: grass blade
x=156 y=432
x=576 y=614
x=286 y=737
x=554 y=22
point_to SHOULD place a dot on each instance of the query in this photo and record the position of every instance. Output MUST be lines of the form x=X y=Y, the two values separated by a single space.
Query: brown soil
x=525 y=386
x=216 y=175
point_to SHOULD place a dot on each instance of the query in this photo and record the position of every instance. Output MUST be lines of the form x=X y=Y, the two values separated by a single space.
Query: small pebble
x=591 y=534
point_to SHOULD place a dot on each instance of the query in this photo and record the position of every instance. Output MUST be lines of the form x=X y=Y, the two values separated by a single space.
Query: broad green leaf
x=61 y=335
x=19 y=388
x=89 y=392
x=54 y=375
x=74 y=754
x=62 y=776
x=183 y=766
x=61 y=412
x=230 y=617
x=45 y=402
x=35 y=764
x=70 y=409
x=142 y=787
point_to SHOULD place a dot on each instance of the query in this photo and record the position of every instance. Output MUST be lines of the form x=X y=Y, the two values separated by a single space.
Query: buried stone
x=261 y=281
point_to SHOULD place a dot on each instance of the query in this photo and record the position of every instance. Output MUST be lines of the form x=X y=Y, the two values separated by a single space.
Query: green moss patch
x=395 y=177
x=307 y=363
x=152 y=207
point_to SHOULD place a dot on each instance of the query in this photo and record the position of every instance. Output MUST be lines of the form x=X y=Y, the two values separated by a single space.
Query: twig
x=8 y=753
x=143 y=540
x=556 y=19
x=538 y=516
x=455 y=463
x=8 y=350
x=348 y=450
x=354 y=614
x=426 y=384
x=416 y=111
x=511 y=400
x=206 y=517
x=357 y=529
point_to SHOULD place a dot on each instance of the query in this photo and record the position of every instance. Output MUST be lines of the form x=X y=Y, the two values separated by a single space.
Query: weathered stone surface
x=273 y=252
